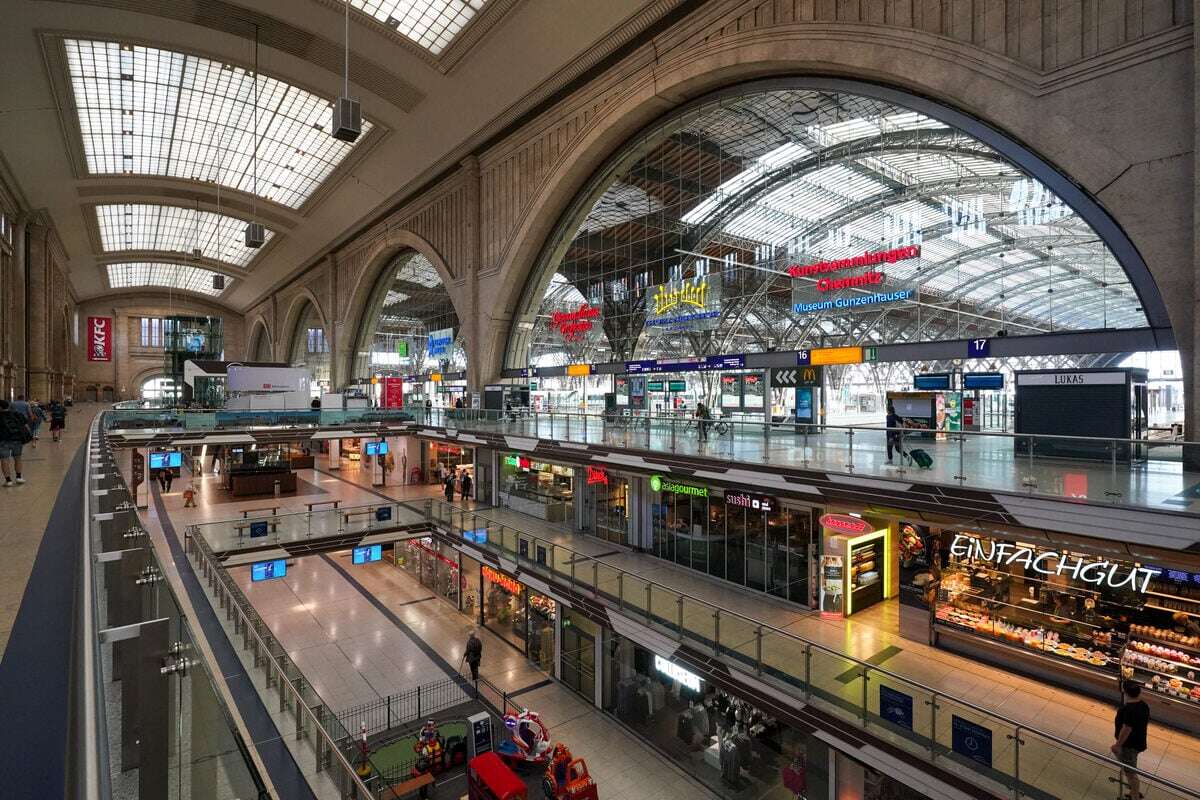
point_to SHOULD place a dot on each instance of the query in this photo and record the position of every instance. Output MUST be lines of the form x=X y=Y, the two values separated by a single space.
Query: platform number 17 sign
x=978 y=348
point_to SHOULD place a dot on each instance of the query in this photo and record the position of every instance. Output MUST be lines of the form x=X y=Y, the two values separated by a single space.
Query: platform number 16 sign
x=978 y=348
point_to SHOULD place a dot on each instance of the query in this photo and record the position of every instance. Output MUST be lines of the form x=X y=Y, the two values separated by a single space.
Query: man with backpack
x=58 y=420
x=14 y=435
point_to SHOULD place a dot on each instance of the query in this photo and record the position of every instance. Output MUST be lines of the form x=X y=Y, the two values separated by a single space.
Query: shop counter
x=542 y=507
x=248 y=483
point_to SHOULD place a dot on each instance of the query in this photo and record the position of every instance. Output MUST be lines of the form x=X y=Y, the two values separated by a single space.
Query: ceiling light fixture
x=347 y=112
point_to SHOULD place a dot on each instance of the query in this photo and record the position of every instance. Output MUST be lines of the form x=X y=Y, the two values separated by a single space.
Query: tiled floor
x=25 y=509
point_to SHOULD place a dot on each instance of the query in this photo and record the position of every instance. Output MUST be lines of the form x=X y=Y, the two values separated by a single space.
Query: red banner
x=393 y=393
x=99 y=338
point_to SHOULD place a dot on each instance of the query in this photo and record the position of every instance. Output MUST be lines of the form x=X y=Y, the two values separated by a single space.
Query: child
x=189 y=496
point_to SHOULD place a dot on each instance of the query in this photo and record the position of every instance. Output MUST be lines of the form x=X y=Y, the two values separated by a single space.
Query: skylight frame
x=431 y=25
x=185 y=116
x=139 y=227
x=180 y=277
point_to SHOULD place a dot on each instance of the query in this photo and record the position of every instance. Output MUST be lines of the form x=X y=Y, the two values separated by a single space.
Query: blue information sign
x=971 y=740
x=896 y=707
x=383 y=514
x=258 y=529
x=478 y=536
x=634 y=367
x=725 y=362
x=803 y=358
x=367 y=554
x=266 y=570
x=978 y=348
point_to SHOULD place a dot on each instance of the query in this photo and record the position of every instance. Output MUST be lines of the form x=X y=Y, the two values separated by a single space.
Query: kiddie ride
x=567 y=777
x=432 y=751
x=530 y=742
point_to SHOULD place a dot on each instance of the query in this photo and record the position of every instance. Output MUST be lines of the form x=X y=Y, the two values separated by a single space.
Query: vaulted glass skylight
x=173 y=276
x=173 y=229
x=430 y=23
x=145 y=111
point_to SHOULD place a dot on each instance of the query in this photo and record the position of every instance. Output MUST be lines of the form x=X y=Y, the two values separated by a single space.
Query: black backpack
x=14 y=428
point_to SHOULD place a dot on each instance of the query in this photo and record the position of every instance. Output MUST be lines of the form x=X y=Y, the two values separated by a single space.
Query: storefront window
x=504 y=606
x=542 y=619
x=470 y=587
x=537 y=488
x=607 y=504
x=578 y=663
x=745 y=538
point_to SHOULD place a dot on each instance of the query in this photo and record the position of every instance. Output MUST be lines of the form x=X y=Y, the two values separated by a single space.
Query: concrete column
x=471 y=233
x=38 y=290
x=1189 y=353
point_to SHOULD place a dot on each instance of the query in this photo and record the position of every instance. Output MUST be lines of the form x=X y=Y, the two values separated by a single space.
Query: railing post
x=679 y=615
x=1017 y=742
x=717 y=632
x=672 y=433
x=962 y=464
x=933 y=707
x=595 y=577
x=808 y=672
x=389 y=713
x=902 y=452
x=585 y=426
x=649 y=616
x=758 y=640
x=865 y=679
x=418 y=701
x=850 y=438
x=621 y=590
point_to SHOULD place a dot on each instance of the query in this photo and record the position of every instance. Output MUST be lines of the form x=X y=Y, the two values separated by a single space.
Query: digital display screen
x=677 y=386
x=934 y=381
x=165 y=460
x=983 y=380
x=376 y=448
x=266 y=570
x=804 y=405
x=365 y=555
x=654 y=386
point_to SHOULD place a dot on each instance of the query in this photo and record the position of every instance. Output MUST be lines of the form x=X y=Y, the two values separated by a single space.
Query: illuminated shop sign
x=853 y=302
x=844 y=523
x=597 y=475
x=572 y=325
x=510 y=585
x=675 y=672
x=867 y=259
x=517 y=461
x=440 y=341
x=660 y=484
x=99 y=338
x=754 y=502
x=1052 y=562
x=694 y=304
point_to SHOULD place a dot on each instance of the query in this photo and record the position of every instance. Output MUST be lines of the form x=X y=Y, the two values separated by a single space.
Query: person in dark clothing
x=448 y=487
x=458 y=403
x=464 y=486
x=1129 y=730
x=893 y=436
x=703 y=420
x=58 y=420
x=14 y=433
x=473 y=654
x=168 y=479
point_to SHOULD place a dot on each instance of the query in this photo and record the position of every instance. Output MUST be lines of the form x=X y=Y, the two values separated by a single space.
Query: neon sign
x=510 y=585
x=833 y=284
x=1101 y=573
x=572 y=325
x=852 y=302
x=597 y=475
x=694 y=302
x=660 y=484
x=845 y=523
x=865 y=260
x=678 y=673
x=693 y=294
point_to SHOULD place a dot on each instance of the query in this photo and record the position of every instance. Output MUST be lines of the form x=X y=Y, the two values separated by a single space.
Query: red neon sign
x=833 y=284
x=865 y=260
x=572 y=325
x=844 y=523
x=503 y=581
x=597 y=475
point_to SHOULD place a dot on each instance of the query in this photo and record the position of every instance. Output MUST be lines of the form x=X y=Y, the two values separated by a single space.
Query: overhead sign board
x=693 y=364
x=788 y=377
x=691 y=304
x=978 y=348
x=932 y=381
x=579 y=370
x=1071 y=379
x=440 y=342
x=835 y=355
x=983 y=380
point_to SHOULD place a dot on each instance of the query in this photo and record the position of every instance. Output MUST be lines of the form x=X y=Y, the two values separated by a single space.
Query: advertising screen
x=932 y=382
x=983 y=380
x=677 y=386
x=804 y=405
x=164 y=460
x=365 y=555
x=266 y=570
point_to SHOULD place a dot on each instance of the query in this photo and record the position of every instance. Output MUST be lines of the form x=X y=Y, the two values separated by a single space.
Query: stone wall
x=1100 y=89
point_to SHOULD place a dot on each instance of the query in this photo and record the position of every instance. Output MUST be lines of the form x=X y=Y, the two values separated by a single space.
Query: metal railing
x=402 y=708
x=139 y=655
x=1105 y=470
x=1025 y=761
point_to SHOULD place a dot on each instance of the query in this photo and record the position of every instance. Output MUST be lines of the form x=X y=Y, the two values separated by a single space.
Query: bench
x=336 y=504
x=369 y=510
x=248 y=511
x=421 y=784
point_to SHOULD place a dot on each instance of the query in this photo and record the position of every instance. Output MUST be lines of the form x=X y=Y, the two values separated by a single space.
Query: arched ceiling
x=131 y=121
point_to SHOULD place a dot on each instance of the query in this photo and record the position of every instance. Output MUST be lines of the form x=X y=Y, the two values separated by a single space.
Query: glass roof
x=146 y=111
x=174 y=229
x=736 y=191
x=430 y=23
x=173 y=276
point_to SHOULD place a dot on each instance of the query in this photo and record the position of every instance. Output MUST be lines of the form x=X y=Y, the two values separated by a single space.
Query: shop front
x=750 y=539
x=442 y=458
x=433 y=564
x=606 y=504
x=1076 y=617
x=537 y=488
x=858 y=563
x=729 y=745
x=521 y=616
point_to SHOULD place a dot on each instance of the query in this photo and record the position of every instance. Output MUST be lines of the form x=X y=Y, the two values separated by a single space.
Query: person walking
x=189 y=496
x=58 y=420
x=14 y=433
x=473 y=654
x=892 y=423
x=703 y=420
x=168 y=477
x=448 y=487
x=464 y=486
x=1129 y=730
x=21 y=407
x=37 y=416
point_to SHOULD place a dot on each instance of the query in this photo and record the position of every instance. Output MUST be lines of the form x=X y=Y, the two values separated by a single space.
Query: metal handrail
x=201 y=546
x=934 y=693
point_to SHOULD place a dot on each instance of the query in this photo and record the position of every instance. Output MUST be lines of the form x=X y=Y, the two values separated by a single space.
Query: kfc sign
x=99 y=333
x=572 y=325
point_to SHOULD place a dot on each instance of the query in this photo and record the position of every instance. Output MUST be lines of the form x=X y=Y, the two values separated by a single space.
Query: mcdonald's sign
x=809 y=376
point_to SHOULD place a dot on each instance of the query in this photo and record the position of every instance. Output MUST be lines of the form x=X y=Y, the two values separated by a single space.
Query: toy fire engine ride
x=567 y=777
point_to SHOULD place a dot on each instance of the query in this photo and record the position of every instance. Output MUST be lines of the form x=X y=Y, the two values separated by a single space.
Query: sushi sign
x=1052 y=562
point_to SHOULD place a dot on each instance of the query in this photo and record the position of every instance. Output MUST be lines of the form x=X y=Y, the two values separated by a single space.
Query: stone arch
x=376 y=261
x=304 y=297
x=258 y=329
x=971 y=83
x=140 y=377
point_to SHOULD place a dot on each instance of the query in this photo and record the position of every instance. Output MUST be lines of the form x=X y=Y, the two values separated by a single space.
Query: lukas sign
x=572 y=325
x=99 y=333
x=844 y=523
